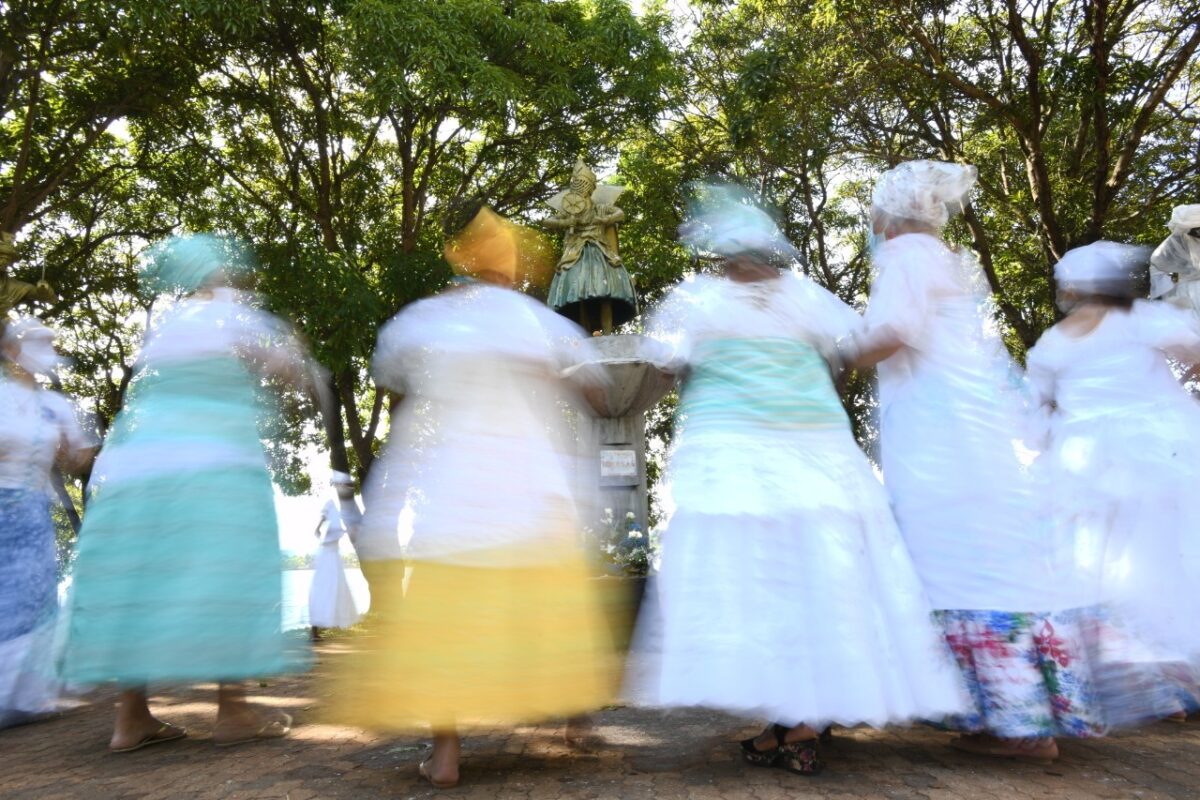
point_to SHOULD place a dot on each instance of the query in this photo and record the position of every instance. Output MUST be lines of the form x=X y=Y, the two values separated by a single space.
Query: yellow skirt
x=477 y=646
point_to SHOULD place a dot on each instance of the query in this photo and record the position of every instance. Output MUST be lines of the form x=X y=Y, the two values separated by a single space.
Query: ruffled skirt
x=811 y=614
x=178 y=579
x=469 y=646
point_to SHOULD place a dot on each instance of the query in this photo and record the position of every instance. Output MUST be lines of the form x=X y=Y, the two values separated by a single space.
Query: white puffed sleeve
x=397 y=349
x=1041 y=375
x=672 y=325
x=1174 y=331
x=909 y=270
x=822 y=316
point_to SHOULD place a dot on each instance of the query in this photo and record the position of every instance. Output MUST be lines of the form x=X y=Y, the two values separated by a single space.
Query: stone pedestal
x=615 y=438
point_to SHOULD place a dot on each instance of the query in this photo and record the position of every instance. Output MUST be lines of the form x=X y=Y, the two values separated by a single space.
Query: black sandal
x=763 y=758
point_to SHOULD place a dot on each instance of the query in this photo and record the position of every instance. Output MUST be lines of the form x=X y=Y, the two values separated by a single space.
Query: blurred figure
x=1175 y=264
x=784 y=591
x=38 y=430
x=1123 y=466
x=952 y=411
x=498 y=623
x=177 y=577
x=330 y=603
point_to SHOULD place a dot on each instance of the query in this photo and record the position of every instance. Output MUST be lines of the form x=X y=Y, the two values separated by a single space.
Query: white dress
x=785 y=590
x=1124 y=461
x=34 y=426
x=953 y=411
x=478 y=459
x=330 y=602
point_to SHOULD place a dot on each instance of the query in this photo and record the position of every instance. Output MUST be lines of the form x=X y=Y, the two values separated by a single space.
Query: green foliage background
x=333 y=135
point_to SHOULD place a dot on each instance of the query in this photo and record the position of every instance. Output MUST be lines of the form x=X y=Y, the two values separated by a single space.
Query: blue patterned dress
x=35 y=425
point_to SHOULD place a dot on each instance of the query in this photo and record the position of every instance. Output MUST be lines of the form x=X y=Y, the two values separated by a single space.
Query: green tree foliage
x=335 y=135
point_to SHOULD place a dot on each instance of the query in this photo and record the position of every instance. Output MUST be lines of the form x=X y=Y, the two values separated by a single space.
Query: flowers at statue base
x=621 y=547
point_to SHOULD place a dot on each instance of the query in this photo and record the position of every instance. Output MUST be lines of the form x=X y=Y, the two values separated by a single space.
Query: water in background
x=295 y=594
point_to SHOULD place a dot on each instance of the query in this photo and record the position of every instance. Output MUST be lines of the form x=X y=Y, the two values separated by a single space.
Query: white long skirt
x=330 y=602
x=814 y=614
x=28 y=684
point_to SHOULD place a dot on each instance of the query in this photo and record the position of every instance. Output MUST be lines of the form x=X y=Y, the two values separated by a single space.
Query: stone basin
x=634 y=383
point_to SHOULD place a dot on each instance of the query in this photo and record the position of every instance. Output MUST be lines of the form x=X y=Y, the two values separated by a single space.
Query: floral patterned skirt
x=1029 y=674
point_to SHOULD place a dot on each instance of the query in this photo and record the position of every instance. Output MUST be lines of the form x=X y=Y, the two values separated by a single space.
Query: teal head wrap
x=186 y=263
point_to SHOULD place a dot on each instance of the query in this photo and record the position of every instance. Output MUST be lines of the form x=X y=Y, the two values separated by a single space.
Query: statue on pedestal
x=13 y=291
x=590 y=284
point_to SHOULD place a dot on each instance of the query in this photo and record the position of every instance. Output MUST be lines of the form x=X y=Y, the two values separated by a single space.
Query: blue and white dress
x=35 y=427
x=785 y=590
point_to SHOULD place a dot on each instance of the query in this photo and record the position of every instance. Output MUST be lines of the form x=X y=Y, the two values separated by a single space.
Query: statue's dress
x=785 y=590
x=177 y=576
x=589 y=272
x=497 y=621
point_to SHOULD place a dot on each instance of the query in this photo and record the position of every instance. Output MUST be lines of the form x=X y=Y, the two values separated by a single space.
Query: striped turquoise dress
x=177 y=576
x=751 y=385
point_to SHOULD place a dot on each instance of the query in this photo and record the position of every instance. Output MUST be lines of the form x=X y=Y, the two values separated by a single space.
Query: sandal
x=763 y=758
x=166 y=733
x=802 y=757
x=273 y=727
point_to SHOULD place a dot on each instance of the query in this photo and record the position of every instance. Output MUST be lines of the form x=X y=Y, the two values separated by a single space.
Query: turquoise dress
x=178 y=573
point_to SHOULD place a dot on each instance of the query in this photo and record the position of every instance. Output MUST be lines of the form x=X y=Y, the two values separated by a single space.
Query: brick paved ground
x=684 y=755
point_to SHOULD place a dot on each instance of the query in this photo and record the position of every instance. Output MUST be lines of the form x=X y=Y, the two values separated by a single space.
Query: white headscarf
x=35 y=345
x=725 y=221
x=1104 y=268
x=1179 y=254
x=925 y=191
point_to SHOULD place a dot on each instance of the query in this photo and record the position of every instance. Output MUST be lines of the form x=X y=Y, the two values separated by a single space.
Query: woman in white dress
x=38 y=429
x=496 y=622
x=953 y=408
x=330 y=602
x=1175 y=264
x=1122 y=459
x=785 y=591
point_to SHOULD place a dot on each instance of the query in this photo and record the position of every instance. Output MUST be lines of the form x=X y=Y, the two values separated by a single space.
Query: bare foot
x=143 y=733
x=441 y=769
x=135 y=727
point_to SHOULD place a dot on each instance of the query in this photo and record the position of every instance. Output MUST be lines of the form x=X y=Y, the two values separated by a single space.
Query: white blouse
x=35 y=426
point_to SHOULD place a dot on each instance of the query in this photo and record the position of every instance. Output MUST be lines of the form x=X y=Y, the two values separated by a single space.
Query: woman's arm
x=865 y=350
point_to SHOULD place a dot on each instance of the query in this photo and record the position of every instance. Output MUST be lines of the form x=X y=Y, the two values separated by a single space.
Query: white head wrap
x=725 y=221
x=340 y=478
x=22 y=327
x=925 y=191
x=1104 y=268
x=1184 y=218
x=35 y=344
x=1179 y=254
